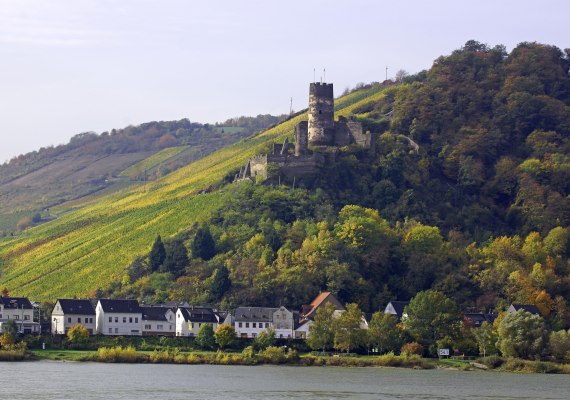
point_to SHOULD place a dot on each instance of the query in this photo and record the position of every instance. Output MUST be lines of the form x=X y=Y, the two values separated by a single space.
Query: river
x=86 y=381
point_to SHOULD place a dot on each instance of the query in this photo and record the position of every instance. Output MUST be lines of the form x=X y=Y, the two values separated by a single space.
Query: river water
x=87 y=381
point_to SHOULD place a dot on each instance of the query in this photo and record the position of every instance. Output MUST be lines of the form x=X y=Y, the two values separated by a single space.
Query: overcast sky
x=71 y=66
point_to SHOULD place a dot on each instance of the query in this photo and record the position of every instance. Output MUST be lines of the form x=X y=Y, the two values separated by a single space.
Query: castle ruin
x=316 y=142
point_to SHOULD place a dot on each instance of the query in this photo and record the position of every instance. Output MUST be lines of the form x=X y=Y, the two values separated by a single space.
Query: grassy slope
x=91 y=245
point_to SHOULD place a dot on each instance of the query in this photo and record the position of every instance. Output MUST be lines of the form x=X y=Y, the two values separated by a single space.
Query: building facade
x=21 y=311
x=68 y=312
x=118 y=317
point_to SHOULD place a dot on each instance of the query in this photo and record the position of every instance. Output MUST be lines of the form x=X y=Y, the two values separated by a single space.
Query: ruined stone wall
x=358 y=135
x=301 y=138
x=321 y=114
x=258 y=166
x=300 y=167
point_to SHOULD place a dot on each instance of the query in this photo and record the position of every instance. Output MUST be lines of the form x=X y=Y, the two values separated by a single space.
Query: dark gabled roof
x=262 y=314
x=76 y=306
x=154 y=313
x=526 y=307
x=475 y=316
x=16 y=303
x=198 y=314
x=120 y=306
x=398 y=306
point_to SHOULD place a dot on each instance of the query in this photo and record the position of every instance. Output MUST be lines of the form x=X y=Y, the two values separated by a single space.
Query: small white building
x=69 y=312
x=303 y=328
x=119 y=317
x=190 y=319
x=20 y=310
x=158 y=321
x=283 y=322
x=249 y=322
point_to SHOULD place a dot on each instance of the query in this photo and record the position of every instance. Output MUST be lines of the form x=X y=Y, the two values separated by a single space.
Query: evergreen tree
x=176 y=258
x=203 y=245
x=157 y=254
x=220 y=283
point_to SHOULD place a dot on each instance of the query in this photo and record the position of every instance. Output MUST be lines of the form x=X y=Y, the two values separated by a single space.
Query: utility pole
x=386 y=72
x=291 y=107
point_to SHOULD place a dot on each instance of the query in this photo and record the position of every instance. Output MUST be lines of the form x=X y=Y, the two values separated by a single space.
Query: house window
x=192 y=325
x=116 y=330
x=130 y=320
x=117 y=319
x=247 y=324
x=267 y=324
x=239 y=324
x=16 y=317
x=254 y=325
x=159 y=327
x=78 y=320
x=110 y=319
x=124 y=320
x=147 y=327
x=69 y=320
x=136 y=320
x=110 y=330
x=254 y=335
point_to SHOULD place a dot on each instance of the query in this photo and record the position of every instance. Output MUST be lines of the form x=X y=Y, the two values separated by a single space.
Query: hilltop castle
x=316 y=142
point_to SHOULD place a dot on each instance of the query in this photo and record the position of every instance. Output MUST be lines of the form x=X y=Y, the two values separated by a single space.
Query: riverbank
x=276 y=356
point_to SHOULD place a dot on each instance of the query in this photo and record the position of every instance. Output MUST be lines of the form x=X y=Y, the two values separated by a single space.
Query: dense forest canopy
x=466 y=192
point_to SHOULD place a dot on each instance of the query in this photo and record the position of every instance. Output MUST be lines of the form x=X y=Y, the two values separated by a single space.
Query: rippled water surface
x=61 y=380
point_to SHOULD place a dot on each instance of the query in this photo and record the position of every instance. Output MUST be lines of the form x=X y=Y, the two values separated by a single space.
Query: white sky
x=70 y=66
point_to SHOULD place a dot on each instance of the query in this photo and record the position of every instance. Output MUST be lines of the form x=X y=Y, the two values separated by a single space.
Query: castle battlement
x=297 y=161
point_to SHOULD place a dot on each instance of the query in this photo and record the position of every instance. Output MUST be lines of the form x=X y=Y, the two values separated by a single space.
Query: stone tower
x=321 y=114
x=301 y=139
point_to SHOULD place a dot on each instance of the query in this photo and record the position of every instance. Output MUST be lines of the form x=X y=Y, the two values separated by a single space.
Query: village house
x=396 y=308
x=302 y=329
x=158 y=321
x=308 y=311
x=20 y=310
x=526 y=307
x=190 y=319
x=119 y=317
x=249 y=322
x=475 y=320
x=68 y=312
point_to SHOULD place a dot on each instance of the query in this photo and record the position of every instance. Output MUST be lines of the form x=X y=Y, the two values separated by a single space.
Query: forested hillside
x=90 y=162
x=466 y=192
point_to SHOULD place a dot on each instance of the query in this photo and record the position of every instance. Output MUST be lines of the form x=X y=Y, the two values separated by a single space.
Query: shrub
x=412 y=348
x=248 y=356
x=117 y=354
x=12 y=355
x=493 y=361
x=273 y=355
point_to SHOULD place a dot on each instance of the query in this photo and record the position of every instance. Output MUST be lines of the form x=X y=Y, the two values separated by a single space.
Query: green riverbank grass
x=277 y=356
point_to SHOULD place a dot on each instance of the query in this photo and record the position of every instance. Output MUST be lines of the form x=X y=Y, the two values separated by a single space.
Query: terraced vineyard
x=154 y=160
x=92 y=244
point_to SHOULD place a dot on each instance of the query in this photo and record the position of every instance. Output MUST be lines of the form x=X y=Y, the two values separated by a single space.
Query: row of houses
x=126 y=317
x=119 y=317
